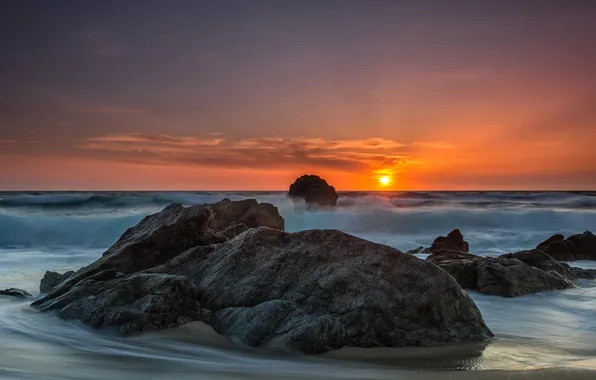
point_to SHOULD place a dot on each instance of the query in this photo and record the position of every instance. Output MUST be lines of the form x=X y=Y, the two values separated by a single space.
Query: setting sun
x=384 y=180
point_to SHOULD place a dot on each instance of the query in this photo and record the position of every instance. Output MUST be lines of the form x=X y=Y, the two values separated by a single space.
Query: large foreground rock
x=312 y=291
x=161 y=236
x=506 y=277
x=314 y=190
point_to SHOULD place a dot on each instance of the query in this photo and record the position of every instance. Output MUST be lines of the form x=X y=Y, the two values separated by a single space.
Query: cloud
x=109 y=110
x=148 y=142
x=434 y=144
x=266 y=152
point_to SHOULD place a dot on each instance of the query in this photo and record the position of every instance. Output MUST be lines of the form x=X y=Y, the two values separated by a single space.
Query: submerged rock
x=314 y=190
x=14 y=292
x=312 y=291
x=159 y=237
x=454 y=242
x=51 y=279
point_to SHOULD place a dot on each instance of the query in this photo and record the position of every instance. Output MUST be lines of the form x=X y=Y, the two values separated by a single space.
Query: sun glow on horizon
x=384 y=180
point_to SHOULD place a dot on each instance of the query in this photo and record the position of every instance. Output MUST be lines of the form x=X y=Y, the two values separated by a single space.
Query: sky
x=249 y=95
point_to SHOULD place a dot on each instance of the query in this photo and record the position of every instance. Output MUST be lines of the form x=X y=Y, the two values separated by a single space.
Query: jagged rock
x=312 y=291
x=161 y=236
x=14 y=292
x=454 y=241
x=51 y=279
x=575 y=247
x=498 y=276
x=314 y=190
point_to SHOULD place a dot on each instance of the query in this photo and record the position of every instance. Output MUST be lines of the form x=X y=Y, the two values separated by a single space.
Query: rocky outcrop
x=14 y=292
x=513 y=274
x=453 y=242
x=164 y=235
x=312 y=291
x=51 y=279
x=314 y=190
x=500 y=276
x=538 y=259
x=575 y=247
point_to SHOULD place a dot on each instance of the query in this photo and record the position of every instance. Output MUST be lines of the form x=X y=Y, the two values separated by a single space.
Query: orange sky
x=465 y=96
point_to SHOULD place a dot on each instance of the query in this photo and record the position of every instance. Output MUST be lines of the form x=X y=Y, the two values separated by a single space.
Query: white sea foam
x=62 y=231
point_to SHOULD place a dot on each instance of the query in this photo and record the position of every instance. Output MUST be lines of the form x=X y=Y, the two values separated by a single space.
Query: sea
x=550 y=333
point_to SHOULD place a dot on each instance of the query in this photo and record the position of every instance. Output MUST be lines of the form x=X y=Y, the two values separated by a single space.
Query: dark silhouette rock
x=314 y=190
x=312 y=291
x=14 y=292
x=161 y=236
x=575 y=247
x=454 y=241
x=51 y=279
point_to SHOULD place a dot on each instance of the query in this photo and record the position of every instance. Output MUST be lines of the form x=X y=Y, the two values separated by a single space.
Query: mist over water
x=65 y=231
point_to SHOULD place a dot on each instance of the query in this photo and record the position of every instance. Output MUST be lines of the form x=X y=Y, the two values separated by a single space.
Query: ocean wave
x=477 y=200
x=376 y=219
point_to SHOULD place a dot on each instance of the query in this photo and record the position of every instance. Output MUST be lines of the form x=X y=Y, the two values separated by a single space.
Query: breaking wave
x=494 y=222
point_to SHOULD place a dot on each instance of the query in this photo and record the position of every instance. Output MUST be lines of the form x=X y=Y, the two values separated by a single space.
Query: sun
x=384 y=180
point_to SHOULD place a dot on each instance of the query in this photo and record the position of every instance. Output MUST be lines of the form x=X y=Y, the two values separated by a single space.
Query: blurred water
x=47 y=231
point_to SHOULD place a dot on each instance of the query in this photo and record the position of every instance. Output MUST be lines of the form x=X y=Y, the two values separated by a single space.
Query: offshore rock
x=14 y=292
x=314 y=190
x=453 y=242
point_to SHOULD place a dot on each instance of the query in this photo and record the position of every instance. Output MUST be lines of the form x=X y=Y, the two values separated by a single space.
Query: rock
x=311 y=291
x=584 y=245
x=549 y=241
x=454 y=241
x=314 y=190
x=498 y=276
x=51 y=279
x=133 y=303
x=14 y=292
x=539 y=259
x=161 y=236
x=575 y=247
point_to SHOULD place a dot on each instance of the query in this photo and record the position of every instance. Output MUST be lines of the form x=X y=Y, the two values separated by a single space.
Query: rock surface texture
x=312 y=291
x=314 y=190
